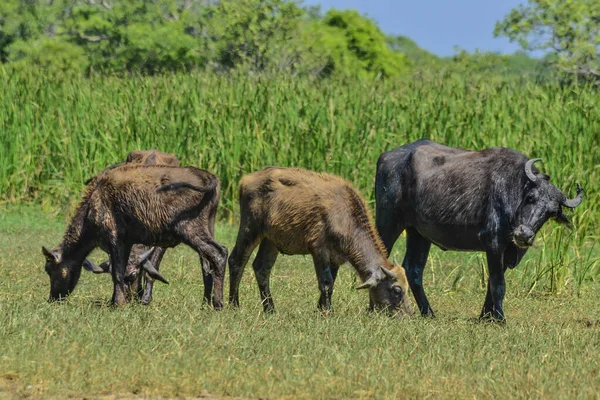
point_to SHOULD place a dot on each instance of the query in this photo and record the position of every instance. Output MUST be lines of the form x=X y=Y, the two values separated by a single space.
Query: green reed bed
x=57 y=131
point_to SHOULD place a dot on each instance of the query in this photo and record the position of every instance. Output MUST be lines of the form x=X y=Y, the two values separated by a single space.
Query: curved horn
x=528 y=171
x=389 y=274
x=144 y=257
x=90 y=266
x=572 y=203
x=153 y=272
x=368 y=284
x=149 y=267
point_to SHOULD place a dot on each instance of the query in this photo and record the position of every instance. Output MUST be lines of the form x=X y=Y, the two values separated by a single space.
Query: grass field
x=84 y=348
x=57 y=131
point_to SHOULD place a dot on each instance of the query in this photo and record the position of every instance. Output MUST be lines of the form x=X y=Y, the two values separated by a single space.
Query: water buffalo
x=143 y=257
x=493 y=200
x=295 y=211
x=151 y=205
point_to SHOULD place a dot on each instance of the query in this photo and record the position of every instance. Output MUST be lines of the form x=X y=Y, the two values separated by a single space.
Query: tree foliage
x=360 y=40
x=155 y=36
x=419 y=57
x=258 y=34
x=172 y=35
x=568 y=30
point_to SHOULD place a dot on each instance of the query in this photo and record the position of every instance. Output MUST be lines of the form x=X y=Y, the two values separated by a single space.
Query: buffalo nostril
x=524 y=232
x=529 y=236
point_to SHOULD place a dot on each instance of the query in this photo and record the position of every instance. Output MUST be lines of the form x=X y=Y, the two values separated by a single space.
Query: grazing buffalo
x=493 y=200
x=295 y=211
x=151 y=205
x=143 y=257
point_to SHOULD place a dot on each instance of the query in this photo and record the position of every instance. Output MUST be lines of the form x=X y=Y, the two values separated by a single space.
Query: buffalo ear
x=51 y=255
x=151 y=159
x=134 y=156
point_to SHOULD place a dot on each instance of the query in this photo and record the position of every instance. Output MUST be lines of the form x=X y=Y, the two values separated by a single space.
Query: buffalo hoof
x=120 y=297
x=490 y=318
x=269 y=308
x=145 y=301
x=217 y=305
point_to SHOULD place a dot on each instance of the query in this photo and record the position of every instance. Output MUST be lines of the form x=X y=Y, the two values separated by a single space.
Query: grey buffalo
x=493 y=200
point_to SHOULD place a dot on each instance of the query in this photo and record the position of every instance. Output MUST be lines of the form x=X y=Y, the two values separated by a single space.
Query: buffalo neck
x=77 y=242
x=366 y=255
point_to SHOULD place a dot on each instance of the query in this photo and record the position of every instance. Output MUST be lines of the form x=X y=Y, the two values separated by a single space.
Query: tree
x=258 y=34
x=76 y=35
x=365 y=43
x=154 y=36
x=568 y=30
x=139 y=35
x=280 y=35
x=421 y=58
x=32 y=27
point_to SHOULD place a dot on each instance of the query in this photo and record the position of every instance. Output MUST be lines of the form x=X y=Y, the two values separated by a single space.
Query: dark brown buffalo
x=142 y=257
x=130 y=204
x=493 y=200
x=295 y=211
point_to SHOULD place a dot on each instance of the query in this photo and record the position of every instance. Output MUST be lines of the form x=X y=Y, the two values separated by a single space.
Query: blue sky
x=437 y=25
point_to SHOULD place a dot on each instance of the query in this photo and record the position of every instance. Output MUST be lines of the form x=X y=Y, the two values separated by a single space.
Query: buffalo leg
x=119 y=254
x=388 y=226
x=334 y=272
x=488 y=305
x=155 y=259
x=207 y=272
x=208 y=280
x=216 y=255
x=417 y=251
x=262 y=265
x=325 y=279
x=492 y=307
x=245 y=244
x=218 y=272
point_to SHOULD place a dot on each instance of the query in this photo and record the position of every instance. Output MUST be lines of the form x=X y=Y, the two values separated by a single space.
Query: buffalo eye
x=397 y=290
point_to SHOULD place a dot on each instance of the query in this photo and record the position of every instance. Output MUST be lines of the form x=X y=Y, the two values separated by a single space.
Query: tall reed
x=56 y=131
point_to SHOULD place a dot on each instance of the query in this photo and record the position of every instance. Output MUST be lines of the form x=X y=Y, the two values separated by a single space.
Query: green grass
x=57 y=132
x=84 y=348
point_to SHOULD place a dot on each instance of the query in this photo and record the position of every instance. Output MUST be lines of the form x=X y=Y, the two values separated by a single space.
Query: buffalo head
x=541 y=201
x=389 y=291
x=63 y=274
